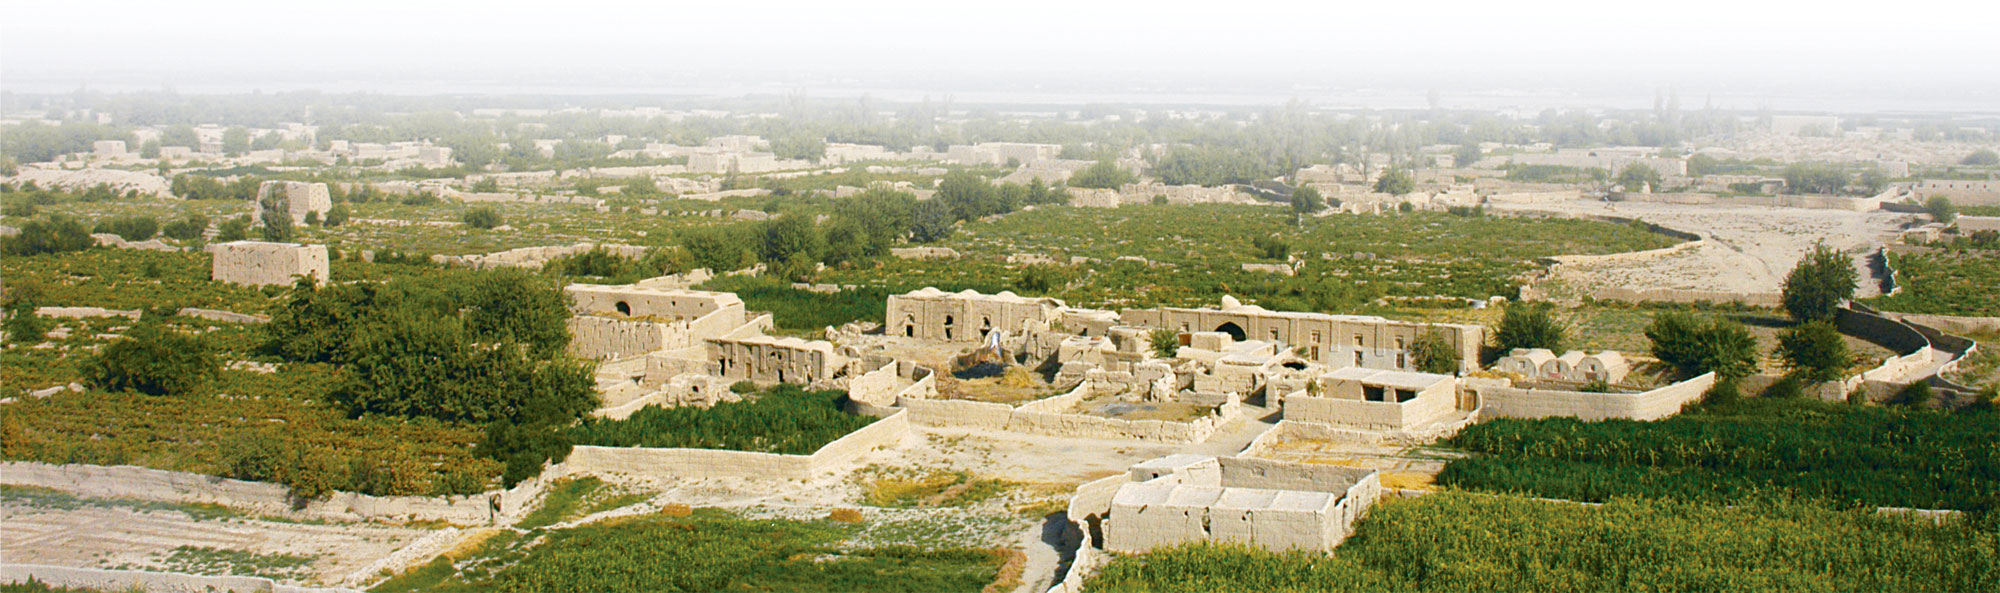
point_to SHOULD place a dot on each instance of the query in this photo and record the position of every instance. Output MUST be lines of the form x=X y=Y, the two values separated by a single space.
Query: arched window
x=623 y=308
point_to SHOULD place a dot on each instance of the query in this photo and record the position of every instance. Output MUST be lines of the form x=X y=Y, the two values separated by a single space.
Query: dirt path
x=1748 y=249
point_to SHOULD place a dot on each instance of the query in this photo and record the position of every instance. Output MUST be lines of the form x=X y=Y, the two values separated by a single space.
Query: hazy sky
x=423 y=46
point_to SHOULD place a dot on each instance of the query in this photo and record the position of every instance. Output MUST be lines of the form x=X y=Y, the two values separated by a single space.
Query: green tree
x=278 y=227
x=1166 y=343
x=1306 y=200
x=512 y=305
x=53 y=234
x=1465 y=155
x=1814 y=178
x=187 y=228
x=235 y=141
x=1941 y=209
x=130 y=228
x=1984 y=157
x=792 y=235
x=1396 y=182
x=1432 y=353
x=641 y=186
x=23 y=325
x=1814 y=351
x=1103 y=174
x=931 y=221
x=1639 y=175
x=483 y=217
x=234 y=229
x=1530 y=325
x=154 y=360
x=338 y=215
x=1819 y=283
x=1694 y=345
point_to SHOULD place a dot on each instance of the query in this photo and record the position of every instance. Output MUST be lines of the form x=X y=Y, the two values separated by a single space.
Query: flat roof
x=1389 y=378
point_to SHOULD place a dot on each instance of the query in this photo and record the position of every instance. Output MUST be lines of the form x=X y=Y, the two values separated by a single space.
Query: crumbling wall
x=679 y=463
x=140 y=483
x=257 y=263
x=95 y=579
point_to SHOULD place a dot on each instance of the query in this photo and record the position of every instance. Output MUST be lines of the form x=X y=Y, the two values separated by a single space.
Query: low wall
x=1053 y=416
x=1090 y=504
x=677 y=463
x=1515 y=402
x=84 y=312
x=142 y=483
x=1950 y=323
x=151 y=582
x=223 y=316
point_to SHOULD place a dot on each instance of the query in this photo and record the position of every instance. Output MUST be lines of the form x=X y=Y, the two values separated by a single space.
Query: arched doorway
x=1229 y=327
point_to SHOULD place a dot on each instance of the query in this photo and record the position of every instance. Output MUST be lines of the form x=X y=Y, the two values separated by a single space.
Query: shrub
x=1914 y=395
x=156 y=361
x=130 y=228
x=234 y=229
x=1530 y=325
x=54 y=234
x=1819 y=283
x=483 y=217
x=1694 y=346
x=1814 y=351
x=786 y=419
x=338 y=215
x=1432 y=353
x=1166 y=343
x=186 y=228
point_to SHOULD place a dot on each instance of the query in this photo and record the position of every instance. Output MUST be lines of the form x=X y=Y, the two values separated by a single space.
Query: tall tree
x=1819 y=283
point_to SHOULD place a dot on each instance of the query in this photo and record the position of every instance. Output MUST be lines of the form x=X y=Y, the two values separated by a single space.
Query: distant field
x=1472 y=542
x=1842 y=454
x=1945 y=284
x=708 y=551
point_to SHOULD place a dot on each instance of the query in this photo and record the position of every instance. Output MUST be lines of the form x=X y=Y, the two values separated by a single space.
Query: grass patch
x=903 y=488
x=217 y=561
x=572 y=499
x=1849 y=455
x=1471 y=542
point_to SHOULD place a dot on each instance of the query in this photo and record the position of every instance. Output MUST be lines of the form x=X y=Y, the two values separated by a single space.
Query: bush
x=1819 y=283
x=1432 y=353
x=130 y=228
x=338 y=215
x=1530 y=325
x=54 y=234
x=1101 y=175
x=156 y=361
x=483 y=217
x=234 y=229
x=1694 y=346
x=786 y=419
x=1166 y=343
x=1814 y=351
x=1914 y=395
x=187 y=228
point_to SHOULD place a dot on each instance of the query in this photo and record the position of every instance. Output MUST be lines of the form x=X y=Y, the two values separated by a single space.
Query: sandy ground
x=100 y=534
x=1749 y=249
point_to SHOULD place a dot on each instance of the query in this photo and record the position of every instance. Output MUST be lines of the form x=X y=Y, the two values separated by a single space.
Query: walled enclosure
x=1375 y=399
x=766 y=358
x=615 y=322
x=257 y=263
x=1513 y=402
x=966 y=316
x=1337 y=341
x=1273 y=505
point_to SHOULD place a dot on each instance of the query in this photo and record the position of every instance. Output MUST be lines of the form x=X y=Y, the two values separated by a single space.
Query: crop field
x=703 y=551
x=1194 y=254
x=784 y=419
x=1944 y=284
x=1837 y=453
x=1459 y=541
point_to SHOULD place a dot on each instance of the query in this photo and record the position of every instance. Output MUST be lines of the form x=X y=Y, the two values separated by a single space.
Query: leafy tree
x=235 y=141
x=1984 y=157
x=1816 y=287
x=338 y=215
x=1396 y=182
x=641 y=186
x=524 y=448
x=149 y=149
x=1272 y=247
x=1530 y=325
x=130 y=228
x=234 y=229
x=1638 y=175
x=1941 y=209
x=488 y=185
x=1432 y=353
x=54 y=234
x=792 y=235
x=511 y=305
x=187 y=228
x=483 y=217
x=1166 y=343
x=313 y=219
x=22 y=325
x=1465 y=155
x=1814 y=178
x=1306 y=200
x=154 y=360
x=931 y=221
x=1040 y=279
x=278 y=227
x=719 y=249
x=1814 y=351
x=1103 y=174
x=417 y=364
x=1694 y=346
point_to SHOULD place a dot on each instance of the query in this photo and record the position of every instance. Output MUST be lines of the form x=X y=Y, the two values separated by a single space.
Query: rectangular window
x=1274 y=335
x=1357 y=358
x=1373 y=393
x=1403 y=395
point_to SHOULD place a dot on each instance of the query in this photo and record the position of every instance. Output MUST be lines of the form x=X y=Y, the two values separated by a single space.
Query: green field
x=707 y=551
x=1945 y=284
x=1470 y=542
x=784 y=419
x=1838 y=453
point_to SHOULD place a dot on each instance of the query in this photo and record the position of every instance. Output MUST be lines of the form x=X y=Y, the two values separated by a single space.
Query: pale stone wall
x=1514 y=402
x=140 y=483
x=1282 y=506
x=534 y=257
x=965 y=316
x=1426 y=408
x=1331 y=340
x=657 y=463
x=606 y=338
x=296 y=198
x=765 y=358
x=923 y=252
x=95 y=579
x=257 y=263
x=84 y=312
x=223 y=316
